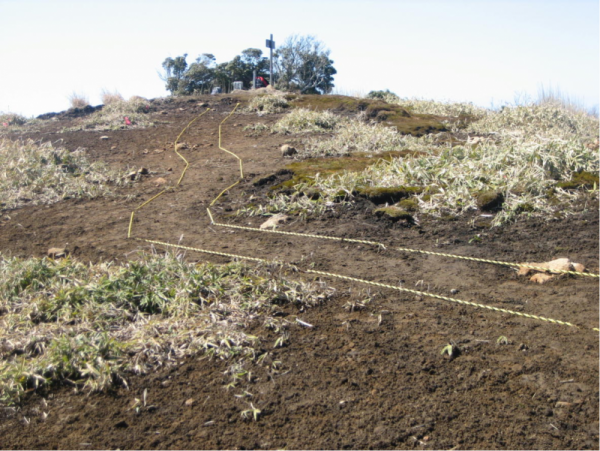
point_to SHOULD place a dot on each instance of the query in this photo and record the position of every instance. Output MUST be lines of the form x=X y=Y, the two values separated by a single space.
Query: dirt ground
x=369 y=379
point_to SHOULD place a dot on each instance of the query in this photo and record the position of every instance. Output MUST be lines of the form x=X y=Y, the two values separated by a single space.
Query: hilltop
x=344 y=364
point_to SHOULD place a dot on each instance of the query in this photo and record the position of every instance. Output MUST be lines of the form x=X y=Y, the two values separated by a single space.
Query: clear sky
x=482 y=51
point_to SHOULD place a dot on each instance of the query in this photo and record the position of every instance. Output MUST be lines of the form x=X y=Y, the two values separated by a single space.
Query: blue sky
x=482 y=51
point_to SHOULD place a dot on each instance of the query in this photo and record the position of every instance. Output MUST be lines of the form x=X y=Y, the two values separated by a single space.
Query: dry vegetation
x=34 y=173
x=541 y=159
x=115 y=114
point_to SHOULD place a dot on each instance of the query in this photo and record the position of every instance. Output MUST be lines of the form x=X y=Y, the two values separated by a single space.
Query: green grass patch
x=93 y=326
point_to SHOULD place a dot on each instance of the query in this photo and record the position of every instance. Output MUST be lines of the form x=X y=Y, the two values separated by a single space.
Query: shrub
x=386 y=95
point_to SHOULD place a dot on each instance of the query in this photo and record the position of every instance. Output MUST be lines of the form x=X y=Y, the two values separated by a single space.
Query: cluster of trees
x=301 y=64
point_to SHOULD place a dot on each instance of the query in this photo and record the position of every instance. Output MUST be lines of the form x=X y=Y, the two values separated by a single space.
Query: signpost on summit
x=271 y=46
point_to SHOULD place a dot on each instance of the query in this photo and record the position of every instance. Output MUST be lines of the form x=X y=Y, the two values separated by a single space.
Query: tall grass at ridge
x=78 y=100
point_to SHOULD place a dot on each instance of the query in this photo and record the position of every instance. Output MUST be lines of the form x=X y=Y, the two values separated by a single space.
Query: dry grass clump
x=353 y=136
x=450 y=109
x=92 y=326
x=307 y=121
x=112 y=116
x=78 y=100
x=38 y=173
x=110 y=97
x=546 y=120
x=267 y=104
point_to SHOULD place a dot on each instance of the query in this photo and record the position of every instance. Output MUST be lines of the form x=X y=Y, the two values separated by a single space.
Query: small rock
x=164 y=112
x=189 y=402
x=113 y=147
x=143 y=171
x=104 y=138
x=568 y=405
x=57 y=252
x=274 y=221
x=181 y=146
x=541 y=277
x=160 y=181
x=288 y=151
x=159 y=150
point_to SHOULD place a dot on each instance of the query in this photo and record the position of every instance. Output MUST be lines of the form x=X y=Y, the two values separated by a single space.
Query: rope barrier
x=369 y=282
x=402 y=249
x=349 y=240
x=180 y=178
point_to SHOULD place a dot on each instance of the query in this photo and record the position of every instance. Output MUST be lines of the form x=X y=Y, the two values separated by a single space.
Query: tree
x=174 y=71
x=182 y=79
x=302 y=63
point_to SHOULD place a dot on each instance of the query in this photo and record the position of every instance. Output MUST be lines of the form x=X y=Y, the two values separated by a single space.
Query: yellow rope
x=401 y=249
x=377 y=284
x=180 y=178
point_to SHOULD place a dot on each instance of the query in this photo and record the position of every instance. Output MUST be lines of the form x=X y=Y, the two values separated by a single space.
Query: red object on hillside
x=261 y=82
x=5 y=124
x=127 y=121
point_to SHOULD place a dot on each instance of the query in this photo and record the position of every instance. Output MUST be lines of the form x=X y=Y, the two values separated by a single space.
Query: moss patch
x=490 y=200
x=409 y=205
x=394 y=213
x=389 y=195
x=581 y=179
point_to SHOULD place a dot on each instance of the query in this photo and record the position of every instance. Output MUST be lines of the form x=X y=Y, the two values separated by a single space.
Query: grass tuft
x=112 y=116
x=267 y=104
x=78 y=100
x=34 y=173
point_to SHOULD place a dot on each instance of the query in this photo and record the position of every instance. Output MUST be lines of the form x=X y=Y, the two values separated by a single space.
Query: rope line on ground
x=369 y=282
x=187 y=165
x=402 y=249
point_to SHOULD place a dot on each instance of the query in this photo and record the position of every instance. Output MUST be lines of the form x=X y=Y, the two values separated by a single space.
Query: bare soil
x=368 y=379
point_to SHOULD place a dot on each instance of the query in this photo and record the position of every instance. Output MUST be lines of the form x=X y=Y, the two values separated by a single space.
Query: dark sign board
x=270 y=44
